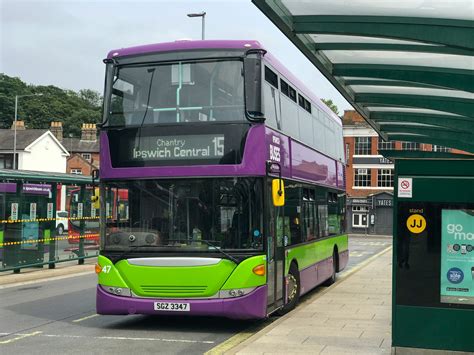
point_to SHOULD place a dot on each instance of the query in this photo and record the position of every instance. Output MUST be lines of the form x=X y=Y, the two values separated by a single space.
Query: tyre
x=60 y=229
x=293 y=289
x=333 y=277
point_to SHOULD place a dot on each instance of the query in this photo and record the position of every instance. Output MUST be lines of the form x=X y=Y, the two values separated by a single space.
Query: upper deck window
x=292 y=93
x=271 y=77
x=191 y=91
x=304 y=103
x=284 y=87
x=288 y=90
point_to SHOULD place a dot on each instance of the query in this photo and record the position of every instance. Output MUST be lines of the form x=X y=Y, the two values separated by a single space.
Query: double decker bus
x=234 y=176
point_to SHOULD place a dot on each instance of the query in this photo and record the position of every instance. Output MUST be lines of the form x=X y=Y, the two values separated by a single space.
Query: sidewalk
x=64 y=269
x=351 y=317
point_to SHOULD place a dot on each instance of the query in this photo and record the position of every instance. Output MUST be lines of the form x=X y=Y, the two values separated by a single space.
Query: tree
x=331 y=105
x=91 y=97
x=56 y=104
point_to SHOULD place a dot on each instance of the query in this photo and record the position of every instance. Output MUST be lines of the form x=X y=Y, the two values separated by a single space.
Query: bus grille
x=173 y=291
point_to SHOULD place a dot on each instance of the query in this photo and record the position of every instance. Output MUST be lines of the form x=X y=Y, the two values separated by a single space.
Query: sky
x=63 y=42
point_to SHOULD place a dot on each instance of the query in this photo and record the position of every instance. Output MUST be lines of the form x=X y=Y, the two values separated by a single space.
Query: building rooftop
x=77 y=145
x=23 y=138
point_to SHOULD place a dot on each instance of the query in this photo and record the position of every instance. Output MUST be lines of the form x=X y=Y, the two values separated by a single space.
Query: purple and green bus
x=221 y=183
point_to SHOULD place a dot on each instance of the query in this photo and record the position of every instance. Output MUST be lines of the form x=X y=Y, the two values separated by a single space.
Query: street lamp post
x=14 y=125
x=203 y=17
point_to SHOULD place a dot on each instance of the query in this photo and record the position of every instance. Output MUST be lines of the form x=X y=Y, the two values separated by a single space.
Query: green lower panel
x=311 y=253
x=433 y=328
x=181 y=281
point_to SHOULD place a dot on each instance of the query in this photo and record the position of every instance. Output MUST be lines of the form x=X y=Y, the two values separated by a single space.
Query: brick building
x=84 y=151
x=369 y=176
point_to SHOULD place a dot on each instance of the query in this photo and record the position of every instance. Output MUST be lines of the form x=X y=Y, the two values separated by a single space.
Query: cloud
x=63 y=42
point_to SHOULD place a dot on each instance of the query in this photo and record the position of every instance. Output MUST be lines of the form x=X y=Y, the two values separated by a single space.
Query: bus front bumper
x=250 y=306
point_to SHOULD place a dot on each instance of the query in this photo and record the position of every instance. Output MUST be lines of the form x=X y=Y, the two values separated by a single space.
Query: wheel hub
x=292 y=287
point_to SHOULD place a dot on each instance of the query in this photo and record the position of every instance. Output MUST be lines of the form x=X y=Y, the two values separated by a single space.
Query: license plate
x=172 y=306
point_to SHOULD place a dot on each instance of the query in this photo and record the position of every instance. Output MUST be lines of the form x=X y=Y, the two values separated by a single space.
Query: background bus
x=197 y=133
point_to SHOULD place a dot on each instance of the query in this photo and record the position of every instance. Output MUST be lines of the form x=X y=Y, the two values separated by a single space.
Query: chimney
x=57 y=130
x=88 y=132
x=20 y=125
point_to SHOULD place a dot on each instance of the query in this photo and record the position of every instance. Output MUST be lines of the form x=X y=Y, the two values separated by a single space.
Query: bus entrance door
x=275 y=258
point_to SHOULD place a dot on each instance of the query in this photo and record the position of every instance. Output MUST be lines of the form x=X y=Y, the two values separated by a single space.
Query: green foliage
x=331 y=105
x=56 y=104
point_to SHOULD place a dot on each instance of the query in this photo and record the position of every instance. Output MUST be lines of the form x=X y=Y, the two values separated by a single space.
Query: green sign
x=457 y=256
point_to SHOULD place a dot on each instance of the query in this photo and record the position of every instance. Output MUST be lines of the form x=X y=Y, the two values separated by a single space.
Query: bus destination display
x=206 y=146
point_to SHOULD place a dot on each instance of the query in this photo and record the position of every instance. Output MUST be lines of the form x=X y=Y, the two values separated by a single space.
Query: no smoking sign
x=405 y=187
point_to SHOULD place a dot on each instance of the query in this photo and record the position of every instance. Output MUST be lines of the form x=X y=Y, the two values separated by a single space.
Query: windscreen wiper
x=152 y=71
x=218 y=249
x=209 y=243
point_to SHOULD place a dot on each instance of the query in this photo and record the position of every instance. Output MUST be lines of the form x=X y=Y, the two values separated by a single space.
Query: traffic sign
x=405 y=187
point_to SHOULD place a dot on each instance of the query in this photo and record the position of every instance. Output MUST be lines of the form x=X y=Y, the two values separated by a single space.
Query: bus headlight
x=118 y=291
x=238 y=292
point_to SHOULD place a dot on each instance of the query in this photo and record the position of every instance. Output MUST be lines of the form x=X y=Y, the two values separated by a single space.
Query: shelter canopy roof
x=407 y=66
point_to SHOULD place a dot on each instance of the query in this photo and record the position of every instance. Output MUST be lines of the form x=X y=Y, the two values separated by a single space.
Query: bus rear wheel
x=293 y=280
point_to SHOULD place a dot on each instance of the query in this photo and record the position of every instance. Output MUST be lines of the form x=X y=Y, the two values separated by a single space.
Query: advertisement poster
x=29 y=234
x=457 y=256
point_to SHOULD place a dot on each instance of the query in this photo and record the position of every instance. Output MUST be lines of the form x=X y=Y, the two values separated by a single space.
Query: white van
x=61 y=221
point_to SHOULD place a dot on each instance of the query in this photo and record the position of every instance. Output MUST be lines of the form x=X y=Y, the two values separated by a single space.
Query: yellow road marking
x=238 y=338
x=85 y=318
x=20 y=337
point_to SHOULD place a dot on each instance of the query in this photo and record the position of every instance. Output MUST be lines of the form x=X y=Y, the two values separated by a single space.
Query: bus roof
x=184 y=45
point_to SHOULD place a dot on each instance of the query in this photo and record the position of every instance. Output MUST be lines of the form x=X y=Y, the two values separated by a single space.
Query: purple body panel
x=253 y=162
x=185 y=46
x=297 y=161
x=316 y=274
x=251 y=306
x=313 y=166
x=341 y=182
x=278 y=150
x=8 y=187
x=343 y=260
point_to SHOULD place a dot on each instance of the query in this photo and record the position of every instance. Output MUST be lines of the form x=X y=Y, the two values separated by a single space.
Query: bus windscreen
x=191 y=91
x=186 y=215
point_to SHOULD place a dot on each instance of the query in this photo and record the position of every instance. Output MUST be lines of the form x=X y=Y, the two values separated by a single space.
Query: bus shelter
x=46 y=218
x=408 y=69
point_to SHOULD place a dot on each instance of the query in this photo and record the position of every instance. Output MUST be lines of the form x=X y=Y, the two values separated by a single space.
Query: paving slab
x=351 y=317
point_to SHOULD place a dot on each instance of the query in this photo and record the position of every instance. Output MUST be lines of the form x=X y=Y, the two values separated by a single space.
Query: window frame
x=76 y=171
x=361 y=147
x=89 y=159
x=385 y=179
x=272 y=81
x=411 y=146
x=383 y=145
x=359 y=181
x=361 y=219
